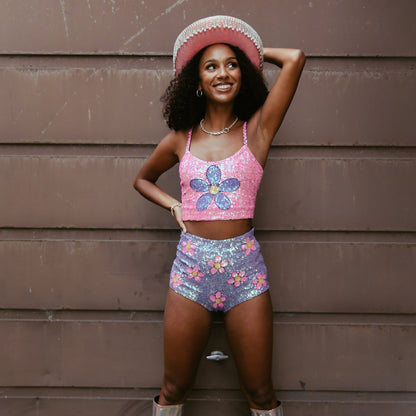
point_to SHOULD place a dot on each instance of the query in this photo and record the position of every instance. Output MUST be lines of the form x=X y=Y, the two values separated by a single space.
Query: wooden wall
x=84 y=260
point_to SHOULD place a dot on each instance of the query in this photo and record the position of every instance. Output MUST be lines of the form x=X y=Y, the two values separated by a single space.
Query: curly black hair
x=183 y=109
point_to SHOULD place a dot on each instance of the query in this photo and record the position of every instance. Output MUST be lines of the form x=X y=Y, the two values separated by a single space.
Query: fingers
x=182 y=225
x=178 y=216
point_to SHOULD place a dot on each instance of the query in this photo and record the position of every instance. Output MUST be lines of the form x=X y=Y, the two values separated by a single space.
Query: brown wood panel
x=71 y=401
x=65 y=192
x=350 y=409
x=78 y=73
x=104 y=353
x=50 y=402
x=106 y=102
x=331 y=277
x=41 y=353
x=347 y=27
x=344 y=104
x=338 y=353
x=310 y=194
x=344 y=355
x=338 y=194
x=342 y=277
x=79 y=275
x=80 y=105
x=48 y=406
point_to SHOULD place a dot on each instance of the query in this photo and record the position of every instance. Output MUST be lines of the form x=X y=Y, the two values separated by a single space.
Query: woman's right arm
x=162 y=159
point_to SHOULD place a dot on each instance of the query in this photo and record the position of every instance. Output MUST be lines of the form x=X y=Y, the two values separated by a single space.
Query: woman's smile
x=223 y=86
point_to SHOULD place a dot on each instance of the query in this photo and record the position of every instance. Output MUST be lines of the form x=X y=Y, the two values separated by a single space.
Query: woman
x=223 y=121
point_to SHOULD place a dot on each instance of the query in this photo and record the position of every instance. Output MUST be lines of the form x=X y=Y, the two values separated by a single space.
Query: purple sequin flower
x=214 y=189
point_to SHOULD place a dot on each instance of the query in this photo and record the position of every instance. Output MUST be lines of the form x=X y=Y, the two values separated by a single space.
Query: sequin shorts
x=219 y=274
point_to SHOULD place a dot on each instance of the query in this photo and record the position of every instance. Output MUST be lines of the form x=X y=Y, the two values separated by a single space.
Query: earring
x=199 y=93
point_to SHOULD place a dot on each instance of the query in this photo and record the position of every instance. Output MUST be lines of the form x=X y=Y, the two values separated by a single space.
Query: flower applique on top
x=214 y=189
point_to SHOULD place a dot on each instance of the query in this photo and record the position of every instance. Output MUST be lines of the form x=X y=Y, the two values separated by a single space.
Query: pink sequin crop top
x=219 y=190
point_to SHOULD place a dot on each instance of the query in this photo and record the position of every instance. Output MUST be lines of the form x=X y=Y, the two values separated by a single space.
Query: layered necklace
x=225 y=130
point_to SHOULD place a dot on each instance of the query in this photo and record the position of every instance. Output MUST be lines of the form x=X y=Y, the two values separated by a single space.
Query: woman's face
x=219 y=73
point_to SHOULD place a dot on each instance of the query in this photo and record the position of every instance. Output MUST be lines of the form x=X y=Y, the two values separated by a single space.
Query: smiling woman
x=223 y=121
x=184 y=101
x=219 y=73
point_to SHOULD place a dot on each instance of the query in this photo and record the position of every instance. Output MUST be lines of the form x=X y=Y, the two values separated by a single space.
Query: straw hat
x=217 y=29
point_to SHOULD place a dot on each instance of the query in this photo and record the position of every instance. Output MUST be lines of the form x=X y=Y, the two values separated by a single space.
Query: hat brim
x=217 y=29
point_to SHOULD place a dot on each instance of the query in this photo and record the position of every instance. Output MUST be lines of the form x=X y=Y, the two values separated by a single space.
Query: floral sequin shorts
x=219 y=274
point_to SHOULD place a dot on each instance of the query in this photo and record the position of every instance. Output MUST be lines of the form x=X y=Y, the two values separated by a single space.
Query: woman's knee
x=261 y=396
x=174 y=392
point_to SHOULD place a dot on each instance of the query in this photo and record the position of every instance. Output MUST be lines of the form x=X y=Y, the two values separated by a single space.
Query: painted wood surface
x=84 y=260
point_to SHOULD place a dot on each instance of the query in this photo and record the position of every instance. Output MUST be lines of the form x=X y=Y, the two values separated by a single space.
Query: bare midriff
x=219 y=229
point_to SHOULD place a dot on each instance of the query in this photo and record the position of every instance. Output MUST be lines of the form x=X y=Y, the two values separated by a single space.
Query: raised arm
x=268 y=119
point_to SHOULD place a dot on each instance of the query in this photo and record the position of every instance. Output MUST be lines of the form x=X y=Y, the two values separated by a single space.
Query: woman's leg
x=250 y=333
x=187 y=326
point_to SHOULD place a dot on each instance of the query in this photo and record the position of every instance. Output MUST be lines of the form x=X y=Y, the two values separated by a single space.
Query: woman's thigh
x=186 y=330
x=250 y=333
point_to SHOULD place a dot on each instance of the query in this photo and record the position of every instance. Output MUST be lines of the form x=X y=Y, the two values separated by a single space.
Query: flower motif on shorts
x=218 y=300
x=175 y=280
x=213 y=189
x=217 y=265
x=249 y=246
x=194 y=273
x=188 y=247
x=237 y=278
x=260 y=281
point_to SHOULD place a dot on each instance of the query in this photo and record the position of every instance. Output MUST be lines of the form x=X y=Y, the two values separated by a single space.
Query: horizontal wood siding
x=317 y=352
x=132 y=275
x=308 y=193
x=84 y=260
x=332 y=27
x=66 y=100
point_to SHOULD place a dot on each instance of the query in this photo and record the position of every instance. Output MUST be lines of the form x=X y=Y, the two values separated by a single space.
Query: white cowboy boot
x=173 y=410
x=278 y=411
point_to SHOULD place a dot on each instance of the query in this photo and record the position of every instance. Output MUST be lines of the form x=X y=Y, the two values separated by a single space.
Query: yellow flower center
x=249 y=244
x=188 y=246
x=194 y=273
x=218 y=300
x=217 y=265
x=213 y=189
x=260 y=280
x=237 y=278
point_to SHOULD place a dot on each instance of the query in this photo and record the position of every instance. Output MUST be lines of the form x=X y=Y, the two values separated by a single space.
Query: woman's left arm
x=270 y=116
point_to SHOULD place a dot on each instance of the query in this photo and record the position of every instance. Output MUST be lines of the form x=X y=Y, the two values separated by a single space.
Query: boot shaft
x=278 y=411
x=158 y=410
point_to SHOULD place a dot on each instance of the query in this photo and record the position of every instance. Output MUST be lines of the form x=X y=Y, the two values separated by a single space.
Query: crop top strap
x=245 y=132
x=188 y=144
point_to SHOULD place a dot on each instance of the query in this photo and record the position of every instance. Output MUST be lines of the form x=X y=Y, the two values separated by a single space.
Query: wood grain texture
x=333 y=27
x=312 y=352
x=84 y=260
x=353 y=194
x=314 y=276
x=340 y=102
